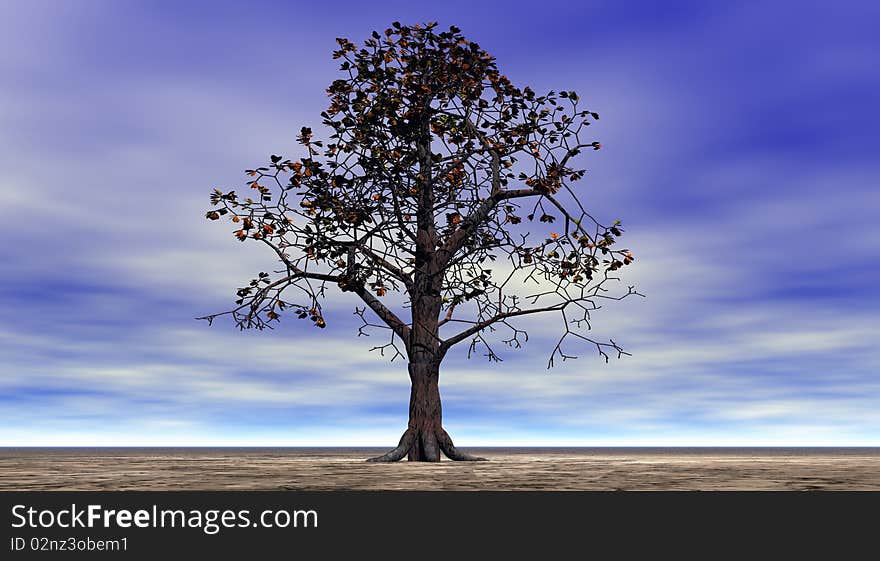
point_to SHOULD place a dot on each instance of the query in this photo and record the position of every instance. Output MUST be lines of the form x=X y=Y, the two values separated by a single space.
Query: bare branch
x=447 y=343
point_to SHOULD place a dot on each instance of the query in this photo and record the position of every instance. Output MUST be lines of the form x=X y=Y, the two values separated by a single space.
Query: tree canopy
x=440 y=180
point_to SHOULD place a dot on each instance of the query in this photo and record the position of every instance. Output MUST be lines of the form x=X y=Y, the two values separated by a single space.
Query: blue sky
x=740 y=150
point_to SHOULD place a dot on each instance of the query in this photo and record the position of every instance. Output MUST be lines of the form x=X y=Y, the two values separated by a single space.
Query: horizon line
x=6 y=446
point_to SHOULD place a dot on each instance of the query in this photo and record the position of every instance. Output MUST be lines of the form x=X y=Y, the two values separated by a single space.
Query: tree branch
x=478 y=216
x=447 y=343
x=396 y=272
x=385 y=314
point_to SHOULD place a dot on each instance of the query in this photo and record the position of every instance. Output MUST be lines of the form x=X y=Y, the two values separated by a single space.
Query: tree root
x=442 y=439
x=403 y=447
x=453 y=453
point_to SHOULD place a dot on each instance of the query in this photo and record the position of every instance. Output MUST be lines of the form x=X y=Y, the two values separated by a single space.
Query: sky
x=739 y=149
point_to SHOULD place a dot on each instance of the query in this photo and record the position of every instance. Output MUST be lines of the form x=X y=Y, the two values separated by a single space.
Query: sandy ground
x=213 y=469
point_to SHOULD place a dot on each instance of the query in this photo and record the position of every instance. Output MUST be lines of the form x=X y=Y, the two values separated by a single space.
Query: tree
x=434 y=160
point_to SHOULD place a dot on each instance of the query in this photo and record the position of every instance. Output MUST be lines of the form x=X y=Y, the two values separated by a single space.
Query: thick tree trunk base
x=425 y=446
x=425 y=438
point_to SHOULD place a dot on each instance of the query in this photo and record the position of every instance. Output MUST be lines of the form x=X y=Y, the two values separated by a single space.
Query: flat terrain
x=514 y=469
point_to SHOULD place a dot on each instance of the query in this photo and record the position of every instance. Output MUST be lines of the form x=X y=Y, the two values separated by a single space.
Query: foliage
x=442 y=181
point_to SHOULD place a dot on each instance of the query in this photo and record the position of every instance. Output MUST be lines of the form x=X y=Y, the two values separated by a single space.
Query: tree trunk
x=425 y=413
x=424 y=438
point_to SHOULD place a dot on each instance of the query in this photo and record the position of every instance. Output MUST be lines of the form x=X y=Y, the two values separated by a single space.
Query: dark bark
x=398 y=453
x=425 y=437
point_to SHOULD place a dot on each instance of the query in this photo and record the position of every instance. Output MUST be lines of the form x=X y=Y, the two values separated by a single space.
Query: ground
x=508 y=469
